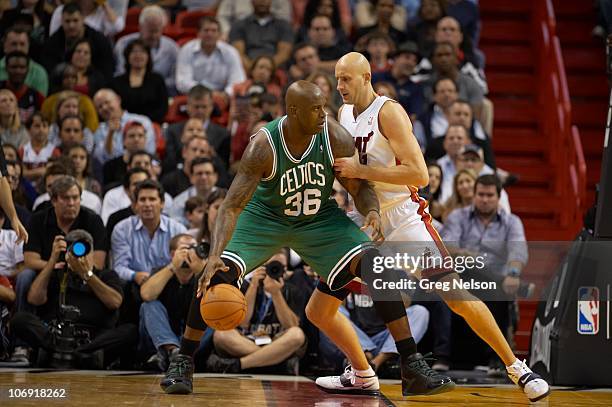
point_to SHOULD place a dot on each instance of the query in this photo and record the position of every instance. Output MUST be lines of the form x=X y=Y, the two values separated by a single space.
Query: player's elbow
x=421 y=178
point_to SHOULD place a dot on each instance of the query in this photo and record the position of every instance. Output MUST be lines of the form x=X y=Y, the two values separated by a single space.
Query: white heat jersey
x=32 y=159
x=374 y=150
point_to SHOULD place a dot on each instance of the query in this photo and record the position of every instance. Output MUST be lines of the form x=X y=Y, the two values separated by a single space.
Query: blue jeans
x=23 y=282
x=155 y=330
x=382 y=342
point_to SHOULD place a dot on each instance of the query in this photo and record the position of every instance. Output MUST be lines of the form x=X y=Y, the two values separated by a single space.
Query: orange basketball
x=223 y=307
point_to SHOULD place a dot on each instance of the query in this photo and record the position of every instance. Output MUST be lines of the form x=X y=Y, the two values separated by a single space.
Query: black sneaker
x=217 y=364
x=179 y=377
x=420 y=379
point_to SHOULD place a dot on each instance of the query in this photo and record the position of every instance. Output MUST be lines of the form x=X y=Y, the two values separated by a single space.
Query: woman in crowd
x=422 y=30
x=436 y=209
x=80 y=158
x=213 y=203
x=195 y=208
x=11 y=130
x=68 y=103
x=463 y=192
x=260 y=80
x=89 y=79
x=142 y=91
x=324 y=82
x=338 y=12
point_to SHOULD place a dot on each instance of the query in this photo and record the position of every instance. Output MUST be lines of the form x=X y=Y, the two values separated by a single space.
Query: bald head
x=354 y=62
x=107 y=103
x=305 y=105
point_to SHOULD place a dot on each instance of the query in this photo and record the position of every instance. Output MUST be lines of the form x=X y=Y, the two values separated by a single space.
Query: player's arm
x=363 y=194
x=256 y=163
x=395 y=125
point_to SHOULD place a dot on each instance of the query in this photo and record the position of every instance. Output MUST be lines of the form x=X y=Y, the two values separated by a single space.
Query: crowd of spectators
x=127 y=136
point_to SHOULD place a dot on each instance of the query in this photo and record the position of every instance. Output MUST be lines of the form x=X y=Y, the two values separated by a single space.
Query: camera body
x=201 y=249
x=66 y=337
x=78 y=248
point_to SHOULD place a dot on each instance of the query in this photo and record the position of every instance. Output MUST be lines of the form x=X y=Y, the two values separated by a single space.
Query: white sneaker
x=533 y=385
x=349 y=382
x=20 y=356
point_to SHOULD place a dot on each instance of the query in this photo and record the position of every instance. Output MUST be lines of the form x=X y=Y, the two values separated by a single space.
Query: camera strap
x=63 y=286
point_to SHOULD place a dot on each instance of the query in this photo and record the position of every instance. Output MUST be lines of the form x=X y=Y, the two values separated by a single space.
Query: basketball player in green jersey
x=281 y=197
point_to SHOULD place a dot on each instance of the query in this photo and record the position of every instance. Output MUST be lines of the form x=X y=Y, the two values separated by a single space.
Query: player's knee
x=295 y=336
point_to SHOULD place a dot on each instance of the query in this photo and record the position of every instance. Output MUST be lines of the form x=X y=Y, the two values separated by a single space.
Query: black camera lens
x=202 y=250
x=275 y=269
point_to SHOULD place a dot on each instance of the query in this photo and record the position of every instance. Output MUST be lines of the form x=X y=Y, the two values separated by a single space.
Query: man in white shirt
x=208 y=61
x=88 y=199
x=11 y=251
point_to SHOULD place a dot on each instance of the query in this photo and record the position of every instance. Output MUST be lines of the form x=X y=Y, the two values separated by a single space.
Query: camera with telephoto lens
x=66 y=338
x=201 y=249
x=78 y=248
x=275 y=270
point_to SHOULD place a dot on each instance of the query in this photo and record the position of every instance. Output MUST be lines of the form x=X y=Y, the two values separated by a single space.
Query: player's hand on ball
x=348 y=167
x=372 y=220
x=213 y=265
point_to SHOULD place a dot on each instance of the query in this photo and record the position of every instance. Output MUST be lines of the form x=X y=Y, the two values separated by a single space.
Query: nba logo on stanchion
x=588 y=310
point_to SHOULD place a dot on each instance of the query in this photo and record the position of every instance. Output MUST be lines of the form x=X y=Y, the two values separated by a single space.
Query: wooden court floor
x=108 y=389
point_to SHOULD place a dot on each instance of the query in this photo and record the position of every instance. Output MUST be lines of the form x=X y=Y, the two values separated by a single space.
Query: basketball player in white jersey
x=390 y=158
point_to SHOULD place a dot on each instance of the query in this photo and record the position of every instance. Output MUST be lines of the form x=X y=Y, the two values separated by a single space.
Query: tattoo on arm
x=257 y=159
x=343 y=146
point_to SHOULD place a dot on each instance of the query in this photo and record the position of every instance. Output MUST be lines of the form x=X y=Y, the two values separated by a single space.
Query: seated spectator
x=432 y=124
x=11 y=252
x=7 y=297
x=374 y=336
x=367 y=14
x=385 y=10
x=269 y=333
x=262 y=34
x=106 y=17
x=58 y=170
x=197 y=146
x=329 y=44
x=339 y=12
x=71 y=132
x=455 y=140
x=460 y=112
x=195 y=208
x=134 y=139
x=108 y=138
x=95 y=291
x=64 y=79
x=22 y=191
x=63 y=215
x=472 y=158
x=133 y=237
x=121 y=196
x=444 y=59
x=325 y=83
x=82 y=166
x=410 y=94
x=28 y=99
x=208 y=61
x=212 y=205
x=463 y=192
x=142 y=91
x=432 y=192
x=133 y=177
x=379 y=46
x=11 y=130
x=68 y=103
x=467 y=14
x=470 y=231
x=422 y=29
x=89 y=78
x=261 y=79
x=73 y=29
x=36 y=152
x=16 y=39
x=229 y=12
x=167 y=296
x=164 y=51
x=31 y=16
x=203 y=178
x=199 y=106
x=306 y=61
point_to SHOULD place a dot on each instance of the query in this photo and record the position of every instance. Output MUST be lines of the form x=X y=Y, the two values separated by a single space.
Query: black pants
x=116 y=342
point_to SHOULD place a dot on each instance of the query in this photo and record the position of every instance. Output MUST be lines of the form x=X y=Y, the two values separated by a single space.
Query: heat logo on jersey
x=588 y=310
x=362 y=145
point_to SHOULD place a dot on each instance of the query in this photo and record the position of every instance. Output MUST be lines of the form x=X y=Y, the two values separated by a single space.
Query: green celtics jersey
x=297 y=188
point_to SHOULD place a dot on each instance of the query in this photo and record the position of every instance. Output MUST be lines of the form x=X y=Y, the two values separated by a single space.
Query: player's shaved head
x=355 y=63
x=305 y=104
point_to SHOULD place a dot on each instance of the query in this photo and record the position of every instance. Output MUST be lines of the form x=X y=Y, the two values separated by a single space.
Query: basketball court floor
x=108 y=389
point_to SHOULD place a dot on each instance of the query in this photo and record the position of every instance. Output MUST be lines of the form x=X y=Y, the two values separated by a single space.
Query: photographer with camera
x=270 y=333
x=167 y=295
x=77 y=308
